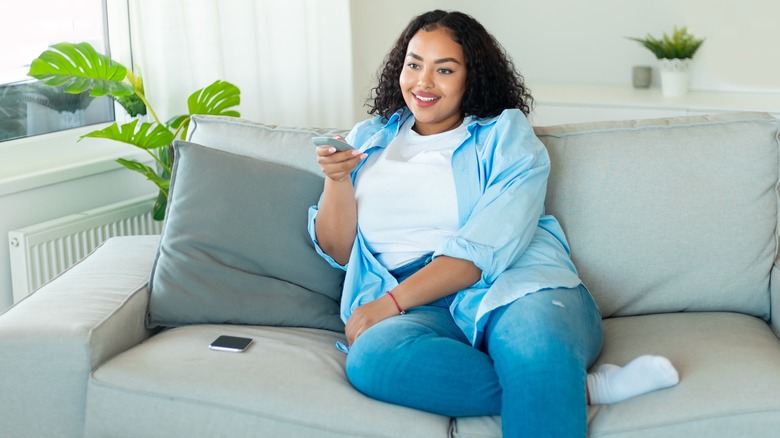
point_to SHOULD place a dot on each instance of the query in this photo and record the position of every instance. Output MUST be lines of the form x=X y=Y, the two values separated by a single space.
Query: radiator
x=43 y=251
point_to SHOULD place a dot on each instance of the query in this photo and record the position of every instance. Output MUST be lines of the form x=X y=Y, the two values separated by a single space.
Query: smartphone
x=340 y=145
x=233 y=344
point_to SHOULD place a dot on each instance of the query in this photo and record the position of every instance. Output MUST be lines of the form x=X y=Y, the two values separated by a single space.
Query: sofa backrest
x=280 y=144
x=662 y=215
x=669 y=215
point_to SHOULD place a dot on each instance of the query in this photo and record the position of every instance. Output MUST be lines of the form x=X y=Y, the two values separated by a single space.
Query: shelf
x=569 y=103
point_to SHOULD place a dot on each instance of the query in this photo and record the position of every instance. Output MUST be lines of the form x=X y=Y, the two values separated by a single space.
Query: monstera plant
x=79 y=68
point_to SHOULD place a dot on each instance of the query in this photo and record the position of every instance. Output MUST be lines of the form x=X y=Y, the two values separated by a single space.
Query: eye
x=446 y=71
x=413 y=66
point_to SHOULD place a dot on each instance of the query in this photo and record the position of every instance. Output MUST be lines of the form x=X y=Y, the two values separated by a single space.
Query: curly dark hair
x=492 y=83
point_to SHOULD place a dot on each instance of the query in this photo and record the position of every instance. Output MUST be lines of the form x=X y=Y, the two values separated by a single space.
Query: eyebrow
x=438 y=61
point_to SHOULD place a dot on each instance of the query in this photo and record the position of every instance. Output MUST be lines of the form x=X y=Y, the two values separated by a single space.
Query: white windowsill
x=53 y=158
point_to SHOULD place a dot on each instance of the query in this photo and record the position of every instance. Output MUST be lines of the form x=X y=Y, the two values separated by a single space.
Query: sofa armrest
x=52 y=340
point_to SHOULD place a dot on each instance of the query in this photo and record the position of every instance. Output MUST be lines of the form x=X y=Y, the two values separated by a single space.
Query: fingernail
x=331 y=150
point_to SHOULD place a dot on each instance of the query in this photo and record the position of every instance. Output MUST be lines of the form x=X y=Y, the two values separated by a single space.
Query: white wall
x=584 y=42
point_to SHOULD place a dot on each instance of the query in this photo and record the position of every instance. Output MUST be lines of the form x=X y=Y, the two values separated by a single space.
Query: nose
x=424 y=80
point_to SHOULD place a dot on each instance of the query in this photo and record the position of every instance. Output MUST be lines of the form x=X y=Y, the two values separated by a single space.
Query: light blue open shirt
x=500 y=172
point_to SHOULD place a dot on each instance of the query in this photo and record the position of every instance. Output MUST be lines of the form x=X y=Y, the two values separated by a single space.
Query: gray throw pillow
x=235 y=247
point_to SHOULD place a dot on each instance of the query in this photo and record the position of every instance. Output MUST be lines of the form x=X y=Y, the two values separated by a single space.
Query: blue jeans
x=530 y=369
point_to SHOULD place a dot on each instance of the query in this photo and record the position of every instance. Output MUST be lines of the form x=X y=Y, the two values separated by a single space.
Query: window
x=27 y=28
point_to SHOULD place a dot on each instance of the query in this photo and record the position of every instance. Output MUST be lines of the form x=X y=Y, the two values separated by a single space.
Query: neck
x=437 y=129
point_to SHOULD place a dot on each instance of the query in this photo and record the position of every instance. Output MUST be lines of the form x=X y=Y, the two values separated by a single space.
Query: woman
x=460 y=297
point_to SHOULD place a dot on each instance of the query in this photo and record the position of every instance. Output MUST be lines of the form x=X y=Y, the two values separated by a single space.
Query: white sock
x=608 y=368
x=611 y=383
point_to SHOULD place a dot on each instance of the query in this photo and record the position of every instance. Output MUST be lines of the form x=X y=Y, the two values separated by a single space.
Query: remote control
x=332 y=141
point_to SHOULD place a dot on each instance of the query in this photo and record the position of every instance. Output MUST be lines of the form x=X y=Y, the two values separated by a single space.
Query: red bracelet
x=400 y=310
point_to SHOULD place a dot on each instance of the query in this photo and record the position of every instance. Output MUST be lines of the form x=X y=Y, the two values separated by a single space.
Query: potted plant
x=675 y=53
x=79 y=68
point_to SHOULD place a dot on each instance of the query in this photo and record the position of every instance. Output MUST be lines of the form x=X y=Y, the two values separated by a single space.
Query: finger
x=332 y=153
x=324 y=151
x=339 y=167
x=356 y=336
x=352 y=336
x=349 y=331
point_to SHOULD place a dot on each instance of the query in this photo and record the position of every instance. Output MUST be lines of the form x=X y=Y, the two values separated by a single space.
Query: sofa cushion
x=235 y=247
x=729 y=379
x=289 y=383
x=277 y=144
x=669 y=215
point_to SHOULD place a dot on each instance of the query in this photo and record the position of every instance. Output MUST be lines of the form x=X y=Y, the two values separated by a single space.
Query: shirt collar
x=399 y=117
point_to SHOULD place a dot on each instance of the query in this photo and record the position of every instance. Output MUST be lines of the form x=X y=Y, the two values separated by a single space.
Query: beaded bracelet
x=400 y=310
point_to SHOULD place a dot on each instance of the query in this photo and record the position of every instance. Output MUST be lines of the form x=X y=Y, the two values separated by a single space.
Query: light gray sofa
x=672 y=223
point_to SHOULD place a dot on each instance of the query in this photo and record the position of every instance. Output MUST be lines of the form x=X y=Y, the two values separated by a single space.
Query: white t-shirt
x=406 y=197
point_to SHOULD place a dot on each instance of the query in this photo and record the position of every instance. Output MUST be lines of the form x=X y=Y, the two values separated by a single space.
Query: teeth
x=427 y=99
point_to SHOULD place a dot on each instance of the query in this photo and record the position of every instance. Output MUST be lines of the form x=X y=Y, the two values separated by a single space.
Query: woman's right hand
x=337 y=166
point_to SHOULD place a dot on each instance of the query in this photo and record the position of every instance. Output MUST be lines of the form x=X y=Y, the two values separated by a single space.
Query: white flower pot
x=674 y=77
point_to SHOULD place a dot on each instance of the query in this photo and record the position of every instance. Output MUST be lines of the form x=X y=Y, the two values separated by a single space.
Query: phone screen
x=230 y=343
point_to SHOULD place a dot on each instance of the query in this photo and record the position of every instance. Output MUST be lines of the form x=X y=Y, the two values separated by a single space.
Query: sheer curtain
x=292 y=59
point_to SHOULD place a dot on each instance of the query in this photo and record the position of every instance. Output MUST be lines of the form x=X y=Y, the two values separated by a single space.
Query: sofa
x=672 y=223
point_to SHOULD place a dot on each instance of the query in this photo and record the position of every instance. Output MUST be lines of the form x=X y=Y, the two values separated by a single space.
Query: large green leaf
x=146 y=171
x=80 y=68
x=145 y=136
x=160 y=205
x=180 y=123
x=216 y=99
x=177 y=121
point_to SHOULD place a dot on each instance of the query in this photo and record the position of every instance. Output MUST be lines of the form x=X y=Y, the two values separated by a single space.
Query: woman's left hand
x=367 y=315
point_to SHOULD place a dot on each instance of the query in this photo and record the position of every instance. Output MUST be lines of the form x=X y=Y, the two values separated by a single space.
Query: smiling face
x=433 y=81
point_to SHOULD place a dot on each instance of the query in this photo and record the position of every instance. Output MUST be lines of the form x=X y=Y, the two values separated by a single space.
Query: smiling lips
x=425 y=99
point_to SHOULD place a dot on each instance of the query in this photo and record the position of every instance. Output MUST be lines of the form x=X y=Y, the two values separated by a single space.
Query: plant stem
x=181 y=126
x=157 y=159
x=156 y=119
x=148 y=105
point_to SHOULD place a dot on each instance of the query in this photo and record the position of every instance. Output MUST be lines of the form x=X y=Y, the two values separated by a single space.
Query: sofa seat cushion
x=729 y=367
x=290 y=382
